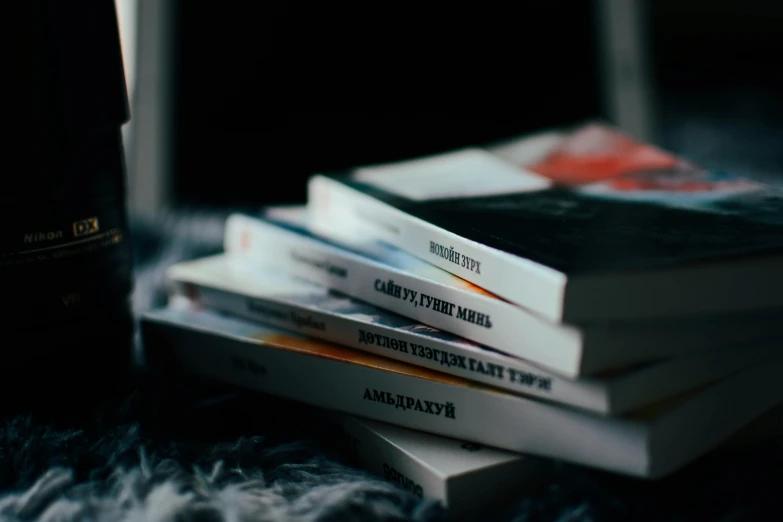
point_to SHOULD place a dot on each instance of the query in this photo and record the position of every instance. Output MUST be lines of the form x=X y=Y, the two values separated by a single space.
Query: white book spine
x=370 y=451
x=452 y=409
x=485 y=320
x=238 y=286
x=458 y=359
x=521 y=281
x=473 y=478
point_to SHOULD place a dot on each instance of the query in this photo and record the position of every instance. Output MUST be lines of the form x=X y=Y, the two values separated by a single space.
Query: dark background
x=256 y=114
x=702 y=46
x=265 y=96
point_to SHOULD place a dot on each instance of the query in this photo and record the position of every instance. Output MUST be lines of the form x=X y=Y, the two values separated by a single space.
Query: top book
x=577 y=225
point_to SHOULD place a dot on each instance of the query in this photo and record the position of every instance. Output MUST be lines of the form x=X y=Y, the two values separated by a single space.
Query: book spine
x=434 y=406
x=521 y=281
x=451 y=358
x=403 y=457
x=485 y=320
x=367 y=449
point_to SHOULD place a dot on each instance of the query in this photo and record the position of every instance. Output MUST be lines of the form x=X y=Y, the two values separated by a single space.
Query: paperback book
x=578 y=225
x=389 y=278
x=650 y=443
x=464 y=476
x=243 y=289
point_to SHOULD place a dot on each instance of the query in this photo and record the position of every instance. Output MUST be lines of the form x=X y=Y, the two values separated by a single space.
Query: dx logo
x=85 y=227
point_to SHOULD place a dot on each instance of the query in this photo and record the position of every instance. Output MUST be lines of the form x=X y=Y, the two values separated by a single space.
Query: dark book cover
x=588 y=200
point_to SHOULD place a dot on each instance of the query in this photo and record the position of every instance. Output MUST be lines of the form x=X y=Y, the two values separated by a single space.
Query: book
x=651 y=443
x=464 y=477
x=585 y=225
x=236 y=286
x=389 y=278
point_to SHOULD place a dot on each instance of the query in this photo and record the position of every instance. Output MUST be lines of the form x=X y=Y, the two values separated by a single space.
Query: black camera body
x=65 y=252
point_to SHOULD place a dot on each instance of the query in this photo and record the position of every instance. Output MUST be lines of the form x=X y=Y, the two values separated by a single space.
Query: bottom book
x=468 y=478
x=464 y=477
x=650 y=444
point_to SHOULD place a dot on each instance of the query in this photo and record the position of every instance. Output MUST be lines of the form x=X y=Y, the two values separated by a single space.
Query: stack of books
x=573 y=295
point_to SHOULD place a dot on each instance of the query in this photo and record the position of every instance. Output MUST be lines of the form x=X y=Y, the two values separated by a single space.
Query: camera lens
x=65 y=252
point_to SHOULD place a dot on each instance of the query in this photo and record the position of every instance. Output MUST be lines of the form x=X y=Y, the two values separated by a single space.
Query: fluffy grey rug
x=191 y=452
x=128 y=473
